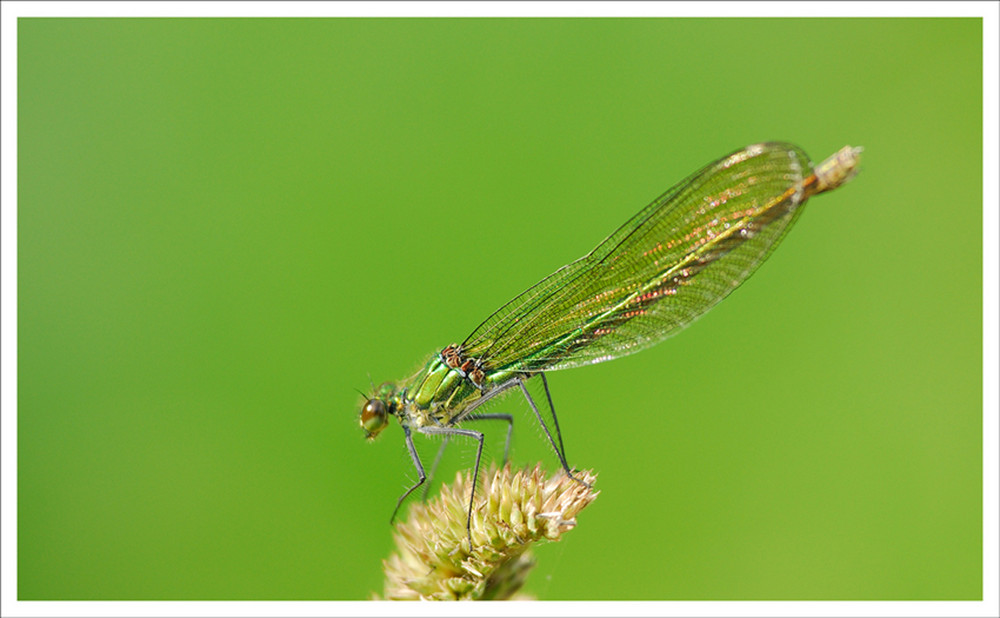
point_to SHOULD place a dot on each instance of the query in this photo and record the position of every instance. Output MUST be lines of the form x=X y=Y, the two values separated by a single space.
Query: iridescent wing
x=660 y=271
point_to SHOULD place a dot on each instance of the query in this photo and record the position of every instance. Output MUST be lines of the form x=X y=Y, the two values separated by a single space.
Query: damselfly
x=660 y=271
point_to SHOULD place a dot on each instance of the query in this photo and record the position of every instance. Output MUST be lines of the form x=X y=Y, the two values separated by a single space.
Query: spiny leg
x=478 y=435
x=557 y=448
x=417 y=465
x=434 y=466
x=552 y=408
x=471 y=417
x=502 y=388
x=496 y=417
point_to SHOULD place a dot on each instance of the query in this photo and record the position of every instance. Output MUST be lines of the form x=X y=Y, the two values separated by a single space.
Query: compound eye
x=374 y=417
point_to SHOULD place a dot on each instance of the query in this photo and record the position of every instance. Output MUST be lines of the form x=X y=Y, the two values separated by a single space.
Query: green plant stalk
x=513 y=510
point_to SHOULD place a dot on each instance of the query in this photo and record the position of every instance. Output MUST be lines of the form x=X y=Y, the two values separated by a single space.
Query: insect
x=661 y=270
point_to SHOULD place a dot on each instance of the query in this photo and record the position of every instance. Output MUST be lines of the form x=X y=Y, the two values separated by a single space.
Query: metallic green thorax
x=438 y=393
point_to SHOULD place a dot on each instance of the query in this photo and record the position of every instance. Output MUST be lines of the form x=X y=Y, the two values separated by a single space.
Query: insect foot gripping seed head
x=512 y=511
x=837 y=169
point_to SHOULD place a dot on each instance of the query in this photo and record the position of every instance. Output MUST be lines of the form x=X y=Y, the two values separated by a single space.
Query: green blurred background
x=226 y=226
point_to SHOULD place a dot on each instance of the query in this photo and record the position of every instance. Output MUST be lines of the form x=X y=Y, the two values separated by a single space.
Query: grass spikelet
x=512 y=511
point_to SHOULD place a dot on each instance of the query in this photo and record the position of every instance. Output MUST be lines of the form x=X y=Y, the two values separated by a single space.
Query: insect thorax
x=443 y=388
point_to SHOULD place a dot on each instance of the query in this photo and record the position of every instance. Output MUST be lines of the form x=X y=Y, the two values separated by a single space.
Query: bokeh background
x=226 y=227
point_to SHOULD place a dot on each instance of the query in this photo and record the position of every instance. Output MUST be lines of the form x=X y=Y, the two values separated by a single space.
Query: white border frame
x=10 y=11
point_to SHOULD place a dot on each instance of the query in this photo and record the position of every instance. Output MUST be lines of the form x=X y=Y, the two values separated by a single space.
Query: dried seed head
x=511 y=511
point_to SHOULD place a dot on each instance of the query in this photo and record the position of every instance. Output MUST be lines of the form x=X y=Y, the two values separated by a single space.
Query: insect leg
x=496 y=417
x=417 y=465
x=478 y=435
x=468 y=412
x=556 y=448
x=434 y=466
x=489 y=395
x=444 y=443
x=552 y=409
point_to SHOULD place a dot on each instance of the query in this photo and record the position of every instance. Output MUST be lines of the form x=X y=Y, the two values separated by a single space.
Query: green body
x=660 y=271
x=437 y=394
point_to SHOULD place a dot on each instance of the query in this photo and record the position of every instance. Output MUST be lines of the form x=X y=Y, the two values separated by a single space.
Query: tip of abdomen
x=838 y=168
